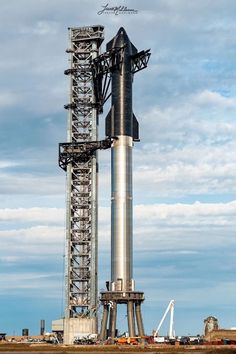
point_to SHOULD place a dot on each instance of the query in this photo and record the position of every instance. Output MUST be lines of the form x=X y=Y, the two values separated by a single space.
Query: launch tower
x=78 y=158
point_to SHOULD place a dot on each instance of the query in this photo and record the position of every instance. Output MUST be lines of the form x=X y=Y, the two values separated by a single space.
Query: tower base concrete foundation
x=133 y=301
x=77 y=327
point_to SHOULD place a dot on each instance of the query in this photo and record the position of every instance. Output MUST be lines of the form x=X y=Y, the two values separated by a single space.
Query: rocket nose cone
x=122 y=32
x=119 y=40
x=122 y=36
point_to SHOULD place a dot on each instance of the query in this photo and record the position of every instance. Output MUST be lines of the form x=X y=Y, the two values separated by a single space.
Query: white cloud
x=43 y=285
x=214 y=99
x=190 y=297
x=40 y=28
x=40 y=215
x=166 y=227
x=195 y=118
x=6 y=164
x=177 y=227
x=45 y=28
x=177 y=169
x=188 y=214
x=9 y=259
x=31 y=184
x=37 y=241
x=183 y=179
x=8 y=99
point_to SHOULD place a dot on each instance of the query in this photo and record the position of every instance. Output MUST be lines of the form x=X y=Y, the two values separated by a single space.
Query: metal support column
x=112 y=322
x=139 y=318
x=103 y=331
x=130 y=315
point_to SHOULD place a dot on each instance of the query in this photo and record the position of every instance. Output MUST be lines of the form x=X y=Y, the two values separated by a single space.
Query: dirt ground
x=124 y=349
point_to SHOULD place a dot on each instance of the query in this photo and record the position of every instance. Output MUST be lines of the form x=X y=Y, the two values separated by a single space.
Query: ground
x=50 y=349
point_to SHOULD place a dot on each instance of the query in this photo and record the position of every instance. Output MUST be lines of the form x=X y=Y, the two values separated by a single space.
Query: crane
x=170 y=308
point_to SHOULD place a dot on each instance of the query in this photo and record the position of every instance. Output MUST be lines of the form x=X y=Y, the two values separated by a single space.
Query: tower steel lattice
x=79 y=159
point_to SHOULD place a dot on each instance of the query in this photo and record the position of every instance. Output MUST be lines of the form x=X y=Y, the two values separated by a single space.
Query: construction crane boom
x=170 y=308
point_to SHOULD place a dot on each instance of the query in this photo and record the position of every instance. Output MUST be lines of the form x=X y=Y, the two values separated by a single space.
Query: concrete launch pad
x=75 y=327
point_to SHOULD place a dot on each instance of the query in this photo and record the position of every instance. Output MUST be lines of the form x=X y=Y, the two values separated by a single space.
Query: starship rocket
x=122 y=124
x=123 y=128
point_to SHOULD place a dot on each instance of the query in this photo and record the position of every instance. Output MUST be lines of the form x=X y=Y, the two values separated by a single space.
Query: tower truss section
x=81 y=228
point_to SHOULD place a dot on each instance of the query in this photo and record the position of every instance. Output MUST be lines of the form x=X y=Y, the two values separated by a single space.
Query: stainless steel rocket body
x=122 y=124
x=122 y=215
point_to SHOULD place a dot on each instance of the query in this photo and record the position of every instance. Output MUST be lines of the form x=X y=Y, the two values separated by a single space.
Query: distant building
x=210 y=324
x=2 y=336
x=221 y=334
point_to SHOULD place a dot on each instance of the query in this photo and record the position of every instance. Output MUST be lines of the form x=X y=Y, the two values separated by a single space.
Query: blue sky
x=184 y=166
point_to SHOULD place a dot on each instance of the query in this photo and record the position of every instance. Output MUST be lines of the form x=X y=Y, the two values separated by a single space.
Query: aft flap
x=108 y=124
x=135 y=129
x=110 y=44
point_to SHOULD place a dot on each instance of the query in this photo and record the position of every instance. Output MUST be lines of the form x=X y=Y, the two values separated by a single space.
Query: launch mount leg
x=131 y=323
x=103 y=332
x=139 y=318
x=112 y=323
